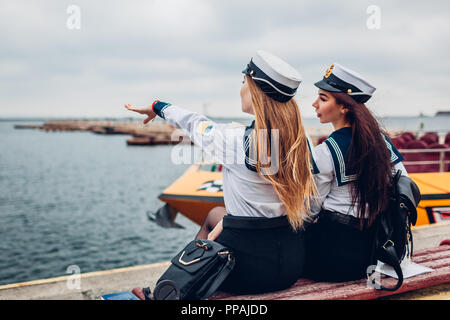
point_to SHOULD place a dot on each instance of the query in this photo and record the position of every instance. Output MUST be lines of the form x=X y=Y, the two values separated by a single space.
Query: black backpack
x=392 y=236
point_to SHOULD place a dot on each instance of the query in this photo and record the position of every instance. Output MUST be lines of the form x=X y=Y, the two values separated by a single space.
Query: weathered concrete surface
x=92 y=284
x=429 y=236
x=95 y=284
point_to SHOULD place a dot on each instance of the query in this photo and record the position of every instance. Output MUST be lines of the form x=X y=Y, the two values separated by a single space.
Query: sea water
x=79 y=201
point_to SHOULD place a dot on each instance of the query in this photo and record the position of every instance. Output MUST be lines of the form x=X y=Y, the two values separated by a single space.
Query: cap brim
x=325 y=86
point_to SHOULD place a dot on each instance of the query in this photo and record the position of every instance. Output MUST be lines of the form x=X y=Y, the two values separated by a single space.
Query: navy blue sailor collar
x=251 y=163
x=339 y=142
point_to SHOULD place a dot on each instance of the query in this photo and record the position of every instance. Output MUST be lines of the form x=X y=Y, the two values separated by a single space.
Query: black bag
x=392 y=236
x=199 y=269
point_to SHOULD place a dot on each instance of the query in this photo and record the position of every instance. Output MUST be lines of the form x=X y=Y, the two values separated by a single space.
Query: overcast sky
x=192 y=52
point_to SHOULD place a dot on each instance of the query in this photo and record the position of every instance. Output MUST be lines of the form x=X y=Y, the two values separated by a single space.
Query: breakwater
x=153 y=133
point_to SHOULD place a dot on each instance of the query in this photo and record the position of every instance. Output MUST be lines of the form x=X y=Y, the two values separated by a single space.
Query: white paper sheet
x=409 y=268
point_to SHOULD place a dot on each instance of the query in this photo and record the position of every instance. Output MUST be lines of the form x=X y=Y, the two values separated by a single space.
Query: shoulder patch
x=205 y=127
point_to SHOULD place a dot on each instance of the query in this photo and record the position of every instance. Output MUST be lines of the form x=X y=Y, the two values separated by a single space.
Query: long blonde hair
x=293 y=181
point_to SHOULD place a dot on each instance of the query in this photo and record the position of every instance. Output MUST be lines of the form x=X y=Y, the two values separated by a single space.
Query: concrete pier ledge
x=95 y=284
x=92 y=285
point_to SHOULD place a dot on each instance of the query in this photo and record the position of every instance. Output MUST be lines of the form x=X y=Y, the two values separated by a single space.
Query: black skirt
x=337 y=249
x=269 y=254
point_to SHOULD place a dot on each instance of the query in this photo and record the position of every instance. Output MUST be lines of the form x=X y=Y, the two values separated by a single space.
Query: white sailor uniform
x=269 y=254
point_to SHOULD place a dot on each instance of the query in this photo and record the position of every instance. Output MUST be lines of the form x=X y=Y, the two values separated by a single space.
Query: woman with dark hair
x=356 y=163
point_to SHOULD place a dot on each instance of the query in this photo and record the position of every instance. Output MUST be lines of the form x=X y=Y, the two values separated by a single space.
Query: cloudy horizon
x=192 y=52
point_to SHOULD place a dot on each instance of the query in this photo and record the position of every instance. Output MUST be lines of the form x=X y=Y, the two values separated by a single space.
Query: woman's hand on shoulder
x=143 y=110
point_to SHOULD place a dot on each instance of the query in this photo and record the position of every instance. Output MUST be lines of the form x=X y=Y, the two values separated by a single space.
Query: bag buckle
x=184 y=263
x=390 y=242
x=227 y=253
x=202 y=245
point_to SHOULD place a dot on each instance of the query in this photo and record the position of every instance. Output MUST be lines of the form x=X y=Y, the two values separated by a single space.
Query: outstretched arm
x=217 y=140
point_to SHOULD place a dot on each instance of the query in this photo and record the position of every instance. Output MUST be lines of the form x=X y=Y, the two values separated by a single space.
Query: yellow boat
x=434 y=206
x=199 y=190
x=194 y=193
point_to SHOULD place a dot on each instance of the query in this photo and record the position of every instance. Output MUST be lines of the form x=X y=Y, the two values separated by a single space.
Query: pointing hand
x=143 y=110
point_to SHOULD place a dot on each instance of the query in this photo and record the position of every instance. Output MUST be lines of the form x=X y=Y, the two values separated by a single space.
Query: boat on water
x=199 y=190
x=193 y=194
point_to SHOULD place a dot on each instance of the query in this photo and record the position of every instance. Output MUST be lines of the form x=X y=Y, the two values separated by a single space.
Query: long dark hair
x=368 y=158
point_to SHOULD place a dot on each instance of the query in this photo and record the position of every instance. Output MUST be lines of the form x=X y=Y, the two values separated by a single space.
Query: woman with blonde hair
x=267 y=176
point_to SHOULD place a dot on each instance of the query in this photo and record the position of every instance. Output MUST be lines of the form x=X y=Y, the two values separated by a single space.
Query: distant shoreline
x=440 y=114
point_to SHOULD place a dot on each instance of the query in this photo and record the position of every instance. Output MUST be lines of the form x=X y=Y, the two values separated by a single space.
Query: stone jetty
x=152 y=133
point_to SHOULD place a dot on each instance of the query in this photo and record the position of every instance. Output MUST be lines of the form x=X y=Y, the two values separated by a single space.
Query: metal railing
x=442 y=162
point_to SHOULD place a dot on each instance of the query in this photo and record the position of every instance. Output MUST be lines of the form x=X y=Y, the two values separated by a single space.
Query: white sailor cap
x=340 y=79
x=275 y=77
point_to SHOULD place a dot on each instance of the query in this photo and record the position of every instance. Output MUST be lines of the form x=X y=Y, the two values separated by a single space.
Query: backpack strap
x=221 y=277
x=389 y=256
x=387 y=253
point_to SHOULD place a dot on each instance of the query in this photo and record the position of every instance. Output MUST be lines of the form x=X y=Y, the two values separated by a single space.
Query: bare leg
x=214 y=216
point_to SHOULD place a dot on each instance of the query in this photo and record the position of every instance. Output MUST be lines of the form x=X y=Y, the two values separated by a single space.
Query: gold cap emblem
x=349 y=91
x=329 y=71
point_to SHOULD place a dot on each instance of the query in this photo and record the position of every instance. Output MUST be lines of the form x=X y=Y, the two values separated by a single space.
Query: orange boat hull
x=199 y=190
